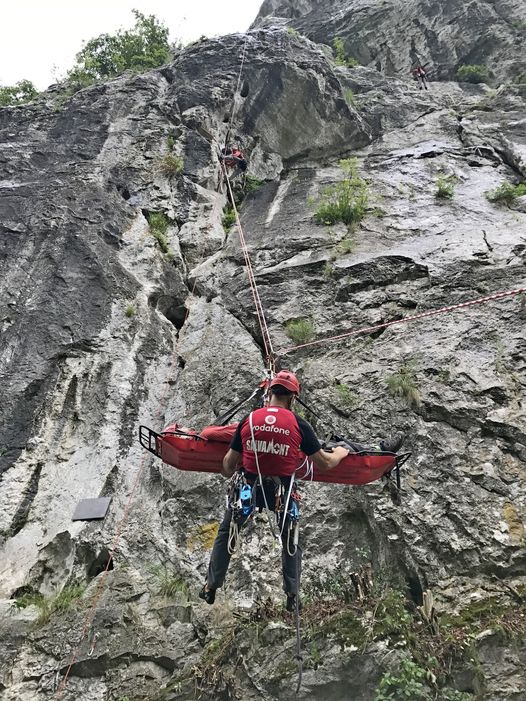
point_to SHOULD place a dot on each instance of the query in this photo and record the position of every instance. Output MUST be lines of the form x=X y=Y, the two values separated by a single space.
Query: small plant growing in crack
x=445 y=185
x=506 y=193
x=346 y=398
x=171 y=165
x=130 y=311
x=252 y=184
x=169 y=583
x=229 y=218
x=404 y=384
x=345 y=201
x=159 y=223
x=63 y=601
x=299 y=330
x=341 y=58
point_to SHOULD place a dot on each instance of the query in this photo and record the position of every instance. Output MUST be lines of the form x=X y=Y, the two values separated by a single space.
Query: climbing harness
x=415 y=317
x=241 y=502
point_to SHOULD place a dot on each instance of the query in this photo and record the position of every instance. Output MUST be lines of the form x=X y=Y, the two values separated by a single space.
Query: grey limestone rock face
x=102 y=330
x=392 y=36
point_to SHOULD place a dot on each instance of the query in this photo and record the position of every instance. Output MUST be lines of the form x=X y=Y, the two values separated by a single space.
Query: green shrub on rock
x=341 y=57
x=299 y=330
x=229 y=218
x=171 y=165
x=345 y=201
x=474 y=73
x=445 y=187
x=405 y=384
x=159 y=224
x=506 y=193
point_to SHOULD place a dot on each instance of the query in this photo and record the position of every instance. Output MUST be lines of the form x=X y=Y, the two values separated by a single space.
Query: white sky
x=39 y=38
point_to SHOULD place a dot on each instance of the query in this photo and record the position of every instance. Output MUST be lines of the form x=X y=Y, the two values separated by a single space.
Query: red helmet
x=286 y=379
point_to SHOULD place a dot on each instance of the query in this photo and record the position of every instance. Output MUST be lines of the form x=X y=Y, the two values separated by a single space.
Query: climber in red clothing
x=419 y=73
x=234 y=159
x=266 y=452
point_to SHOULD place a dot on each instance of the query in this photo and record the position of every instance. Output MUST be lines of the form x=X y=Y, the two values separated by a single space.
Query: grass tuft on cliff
x=404 y=384
x=506 y=193
x=300 y=330
x=345 y=201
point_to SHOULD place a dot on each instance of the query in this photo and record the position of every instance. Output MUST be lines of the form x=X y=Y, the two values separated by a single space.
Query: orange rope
x=265 y=333
x=423 y=315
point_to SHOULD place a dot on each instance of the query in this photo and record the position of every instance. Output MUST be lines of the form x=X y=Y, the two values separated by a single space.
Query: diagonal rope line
x=265 y=333
x=238 y=84
x=415 y=317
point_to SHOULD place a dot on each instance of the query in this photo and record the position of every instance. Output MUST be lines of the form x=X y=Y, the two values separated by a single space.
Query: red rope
x=423 y=315
x=265 y=333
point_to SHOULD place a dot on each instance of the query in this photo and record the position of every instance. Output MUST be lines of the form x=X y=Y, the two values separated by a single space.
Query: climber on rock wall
x=234 y=158
x=419 y=73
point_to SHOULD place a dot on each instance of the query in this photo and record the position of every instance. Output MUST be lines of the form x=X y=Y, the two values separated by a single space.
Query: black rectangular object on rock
x=91 y=509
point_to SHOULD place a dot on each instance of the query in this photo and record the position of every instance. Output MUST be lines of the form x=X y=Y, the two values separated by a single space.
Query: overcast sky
x=39 y=38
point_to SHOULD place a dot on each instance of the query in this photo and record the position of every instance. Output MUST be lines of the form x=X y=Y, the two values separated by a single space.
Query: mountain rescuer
x=266 y=447
x=419 y=73
x=235 y=159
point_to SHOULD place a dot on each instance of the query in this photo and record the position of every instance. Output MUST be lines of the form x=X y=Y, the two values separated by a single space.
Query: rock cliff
x=124 y=300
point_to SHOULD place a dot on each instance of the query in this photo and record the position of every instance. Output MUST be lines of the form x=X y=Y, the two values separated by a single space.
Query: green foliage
x=506 y=193
x=106 y=56
x=346 y=246
x=340 y=56
x=346 y=397
x=408 y=683
x=405 y=384
x=474 y=73
x=63 y=601
x=328 y=269
x=349 y=97
x=169 y=583
x=229 y=218
x=171 y=141
x=293 y=32
x=519 y=24
x=445 y=187
x=159 y=224
x=18 y=94
x=130 y=311
x=252 y=184
x=171 y=165
x=299 y=330
x=345 y=201
x=158 y=221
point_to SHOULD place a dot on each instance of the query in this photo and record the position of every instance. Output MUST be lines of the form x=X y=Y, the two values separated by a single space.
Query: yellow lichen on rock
x=514 y=520
x=203 y=536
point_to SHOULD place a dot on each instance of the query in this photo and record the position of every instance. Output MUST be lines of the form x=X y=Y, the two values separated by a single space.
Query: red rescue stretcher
x=204 y=452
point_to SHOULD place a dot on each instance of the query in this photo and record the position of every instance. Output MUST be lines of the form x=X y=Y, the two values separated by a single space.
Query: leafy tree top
x=18 y=94
x=143 y=46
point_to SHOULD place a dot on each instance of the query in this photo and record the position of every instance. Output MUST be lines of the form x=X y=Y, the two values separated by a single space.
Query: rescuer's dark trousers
x=220 y=558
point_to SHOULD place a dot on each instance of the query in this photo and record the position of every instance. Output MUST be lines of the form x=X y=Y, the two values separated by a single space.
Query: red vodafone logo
x=270 y=420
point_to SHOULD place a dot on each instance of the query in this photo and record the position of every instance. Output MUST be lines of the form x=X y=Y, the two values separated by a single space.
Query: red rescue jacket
x=276 y=440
